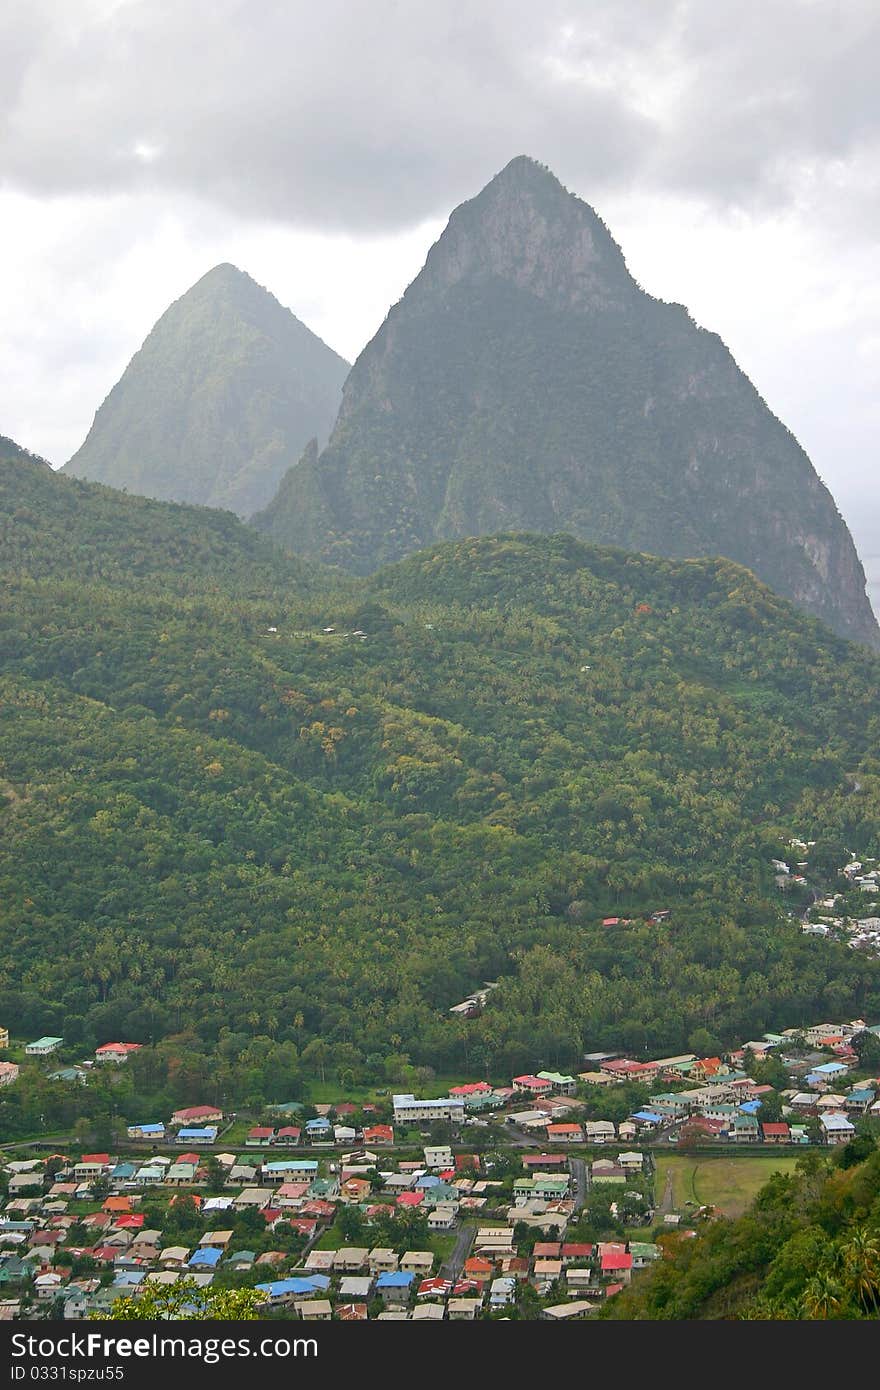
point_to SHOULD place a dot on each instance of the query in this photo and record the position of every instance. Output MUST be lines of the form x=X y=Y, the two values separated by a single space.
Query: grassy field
x=439 y=1243
x=727 y=1183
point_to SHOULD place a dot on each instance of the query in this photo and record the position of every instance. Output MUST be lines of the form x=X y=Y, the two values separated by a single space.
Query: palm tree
x=824 y=1296
x=860 y=1259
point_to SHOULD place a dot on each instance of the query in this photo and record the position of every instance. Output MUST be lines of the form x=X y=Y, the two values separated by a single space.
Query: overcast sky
x=733 y=147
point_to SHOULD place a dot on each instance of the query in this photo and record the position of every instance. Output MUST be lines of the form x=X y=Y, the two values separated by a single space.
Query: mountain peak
x=219 y=401
x=526 y=228
x=525 y=382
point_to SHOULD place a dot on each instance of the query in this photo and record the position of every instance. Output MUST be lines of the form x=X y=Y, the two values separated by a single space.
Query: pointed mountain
x=525 y=381
x=221 y=399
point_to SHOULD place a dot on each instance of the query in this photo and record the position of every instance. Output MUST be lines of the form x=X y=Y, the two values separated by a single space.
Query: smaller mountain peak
x=225 y=276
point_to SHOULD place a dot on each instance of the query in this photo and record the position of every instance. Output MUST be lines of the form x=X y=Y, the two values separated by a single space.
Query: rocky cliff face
x=218 y=403
x=526 y=382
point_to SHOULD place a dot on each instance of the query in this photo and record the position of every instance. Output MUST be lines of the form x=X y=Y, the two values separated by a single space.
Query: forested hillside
x=808 y=1248
x=221 y=820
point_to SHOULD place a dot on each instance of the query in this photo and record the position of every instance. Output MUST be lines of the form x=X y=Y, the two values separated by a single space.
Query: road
x=451 y=1268
x=580 y=1182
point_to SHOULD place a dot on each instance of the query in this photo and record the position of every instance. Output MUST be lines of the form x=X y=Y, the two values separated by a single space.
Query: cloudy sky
x=733 y=147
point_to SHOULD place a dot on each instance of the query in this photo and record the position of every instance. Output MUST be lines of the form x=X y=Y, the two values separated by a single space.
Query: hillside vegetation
x=214 y=832
x=807 y=1248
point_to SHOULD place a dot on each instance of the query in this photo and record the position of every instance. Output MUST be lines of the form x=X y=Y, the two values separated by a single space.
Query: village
x=849 y=913
x=539 y=1198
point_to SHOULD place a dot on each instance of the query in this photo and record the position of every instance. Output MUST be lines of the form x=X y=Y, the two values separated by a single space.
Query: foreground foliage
x=808 y=1248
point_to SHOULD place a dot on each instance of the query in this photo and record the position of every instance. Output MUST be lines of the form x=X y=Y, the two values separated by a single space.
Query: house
x=356 y=1287
x=43 y=1047
x=355 y=1190
x=831 y=1104
x=240 y=1174
x=175 y=1256
x=241 y=1260
x=492 y=1241
x=442 y=1218
x=92 y=1166
x=562 y=1085
x=420 y=1262
x=428 y=1312
x=532 y=1085
x=284 y=1291
x=744 y=1129
x=434 y=1288
x=147 y=1244
x=318 y=1131
x=643 y=1253
x=197 y=1115
x=649 y=1119
x=576 y=1252
x=617 y=1263
x=463 y=1309
x=395 y=1288
x=439 y=1156
x=410 y=1199
x=351 y=1312
x=288 y=1135
x=632 y=1162
x=205 y=1257
x=204 y=1134
x=115 y=1051
x=564 y=1312
x=154 y=1131
x=502 y=1292
x=545 y=1273
x=299 y=1169
x=598 y=1131
x=258 y=1197
x=260 y=1137
x=8 y=1073
x=859 y=1100
x=621 y=1068
x=181 y=1174
x=382 y=1261
x=349 y=1257
x=4 y=1039
x=836 y=1129
x=565 y=1134
x=314 y=1310
x=379 y=1134
x=47 y=1285
x=775 y=1132
x=25 y=1182
x=149 y=1175
x=408 y=1110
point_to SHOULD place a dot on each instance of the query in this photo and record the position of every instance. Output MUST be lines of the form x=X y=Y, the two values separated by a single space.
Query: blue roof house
x=395 y=1288
x=206 y=1257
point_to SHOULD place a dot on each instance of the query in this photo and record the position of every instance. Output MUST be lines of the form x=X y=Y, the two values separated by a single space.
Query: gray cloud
x=373 y=114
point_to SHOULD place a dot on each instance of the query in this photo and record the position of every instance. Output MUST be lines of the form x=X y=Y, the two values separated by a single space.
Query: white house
x=43 y=1046
x=408 y=1110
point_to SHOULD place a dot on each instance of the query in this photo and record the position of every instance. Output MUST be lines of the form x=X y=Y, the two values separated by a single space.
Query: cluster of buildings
x=97 y=1206
x=828 y=916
